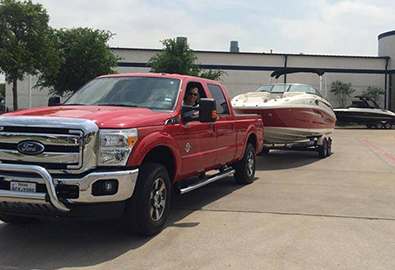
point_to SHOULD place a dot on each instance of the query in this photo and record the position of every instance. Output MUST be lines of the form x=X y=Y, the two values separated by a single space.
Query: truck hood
x=103 y=116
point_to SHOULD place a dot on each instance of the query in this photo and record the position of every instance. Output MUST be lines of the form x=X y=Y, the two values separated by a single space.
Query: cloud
x=320 y=26
x=143 y=24
x=345 y=27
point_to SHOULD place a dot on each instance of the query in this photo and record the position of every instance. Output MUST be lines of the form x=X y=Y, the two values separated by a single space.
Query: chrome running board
x=207 y=181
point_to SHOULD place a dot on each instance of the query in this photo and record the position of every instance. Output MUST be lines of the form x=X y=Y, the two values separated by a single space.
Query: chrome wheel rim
x=158 y=199
x=250 y=163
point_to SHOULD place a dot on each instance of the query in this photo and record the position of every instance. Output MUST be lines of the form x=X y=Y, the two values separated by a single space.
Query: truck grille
x=62 y=148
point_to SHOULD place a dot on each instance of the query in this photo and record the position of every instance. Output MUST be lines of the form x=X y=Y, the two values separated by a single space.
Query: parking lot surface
x=302 y=212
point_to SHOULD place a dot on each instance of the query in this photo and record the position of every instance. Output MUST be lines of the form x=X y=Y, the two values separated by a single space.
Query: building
x=247 y=71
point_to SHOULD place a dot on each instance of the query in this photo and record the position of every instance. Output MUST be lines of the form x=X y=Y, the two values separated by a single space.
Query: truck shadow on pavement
x=286 y=159
x=63 y=243
x=55 y=244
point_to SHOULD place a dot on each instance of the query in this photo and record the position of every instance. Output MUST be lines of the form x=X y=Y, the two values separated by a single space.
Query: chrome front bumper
x=126 y=183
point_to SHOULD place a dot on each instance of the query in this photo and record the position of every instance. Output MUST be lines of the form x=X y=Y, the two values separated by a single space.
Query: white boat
x=290 y=112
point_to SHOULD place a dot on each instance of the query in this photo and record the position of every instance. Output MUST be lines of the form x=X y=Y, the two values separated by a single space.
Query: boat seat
x=292 y=94
x=258 y=95
x=254 y=98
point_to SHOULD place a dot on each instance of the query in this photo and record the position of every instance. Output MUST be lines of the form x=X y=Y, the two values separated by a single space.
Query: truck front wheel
x=146 y=212
x=245 y=168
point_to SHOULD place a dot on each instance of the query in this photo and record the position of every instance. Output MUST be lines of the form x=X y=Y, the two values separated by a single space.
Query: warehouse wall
x=247 y=71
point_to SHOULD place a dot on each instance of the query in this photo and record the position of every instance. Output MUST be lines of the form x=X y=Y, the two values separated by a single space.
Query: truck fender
x=151 y=141
x=258 y=139
x=252 y=129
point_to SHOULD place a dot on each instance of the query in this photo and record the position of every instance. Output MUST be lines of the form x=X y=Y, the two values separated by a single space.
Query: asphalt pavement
x=302 y=212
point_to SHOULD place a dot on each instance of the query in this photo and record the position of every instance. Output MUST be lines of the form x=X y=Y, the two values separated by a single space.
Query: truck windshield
x=142 y=92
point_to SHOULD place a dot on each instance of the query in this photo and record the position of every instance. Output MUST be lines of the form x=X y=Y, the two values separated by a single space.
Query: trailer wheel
x=16 y=220
x=265 y=151
x=379 y=125
x=147 y=210
x=245 y=168
x=323 y=149
x=388 y=125
x=329 y=147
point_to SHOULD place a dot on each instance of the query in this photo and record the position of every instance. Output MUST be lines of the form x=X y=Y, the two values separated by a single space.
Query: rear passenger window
x=218 y=95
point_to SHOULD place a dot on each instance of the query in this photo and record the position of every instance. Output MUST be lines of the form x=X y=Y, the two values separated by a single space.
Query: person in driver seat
x=192 y=99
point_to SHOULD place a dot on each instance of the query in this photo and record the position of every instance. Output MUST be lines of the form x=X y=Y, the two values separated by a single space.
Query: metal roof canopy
x=277 y=73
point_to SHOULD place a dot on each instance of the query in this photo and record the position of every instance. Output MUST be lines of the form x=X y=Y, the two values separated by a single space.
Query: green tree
x=373 y=92
x=212 y=74
x=342 y=91
x=178 y=58
x=2 y=90
x=24 y=46
x=82 y=54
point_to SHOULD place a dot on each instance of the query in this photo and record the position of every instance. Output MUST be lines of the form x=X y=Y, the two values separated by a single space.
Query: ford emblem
x=30 y=147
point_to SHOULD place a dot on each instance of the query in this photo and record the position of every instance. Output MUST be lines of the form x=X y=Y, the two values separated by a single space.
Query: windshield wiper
x=115 y=104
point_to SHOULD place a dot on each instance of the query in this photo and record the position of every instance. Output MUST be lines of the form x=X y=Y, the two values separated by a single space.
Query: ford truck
x=119 y=147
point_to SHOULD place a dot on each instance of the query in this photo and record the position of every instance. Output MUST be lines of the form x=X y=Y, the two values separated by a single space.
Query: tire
x=379 y=125
x=245 y=168
x=329 y=151
x=16 y=220
x=147 y=210
x=323 y=149
x=265 y=151
x=387 y=125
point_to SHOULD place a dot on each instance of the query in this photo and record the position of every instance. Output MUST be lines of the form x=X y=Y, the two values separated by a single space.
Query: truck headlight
x=115 y=146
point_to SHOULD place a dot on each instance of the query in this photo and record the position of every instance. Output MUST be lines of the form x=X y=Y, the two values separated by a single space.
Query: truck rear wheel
x=245 y=168
x=146 y=212
x=11 y=219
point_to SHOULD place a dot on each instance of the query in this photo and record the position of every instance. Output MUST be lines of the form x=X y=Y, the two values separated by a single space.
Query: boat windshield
x=364 y=102
x=281 y=88
x=143 y=92
x=304 y=88
x=273 y=88
x=264 y=88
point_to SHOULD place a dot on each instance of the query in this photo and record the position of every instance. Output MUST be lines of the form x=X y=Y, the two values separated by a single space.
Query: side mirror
x=207 y=110
x=54 y=101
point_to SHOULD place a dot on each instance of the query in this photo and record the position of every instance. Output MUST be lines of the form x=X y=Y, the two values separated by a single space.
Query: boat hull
x=287 y=125
x=280 y=135
x=364 y=116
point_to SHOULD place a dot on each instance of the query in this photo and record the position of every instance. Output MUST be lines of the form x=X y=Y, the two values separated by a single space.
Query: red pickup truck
x=118 y=146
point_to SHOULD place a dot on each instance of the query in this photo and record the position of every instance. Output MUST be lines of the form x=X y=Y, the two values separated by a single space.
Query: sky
x=330 y=27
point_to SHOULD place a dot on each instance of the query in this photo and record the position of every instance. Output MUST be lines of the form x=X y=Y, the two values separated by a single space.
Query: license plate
x=23 y=187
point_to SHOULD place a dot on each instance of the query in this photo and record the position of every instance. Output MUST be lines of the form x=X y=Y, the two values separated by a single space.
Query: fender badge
x=187 y=147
